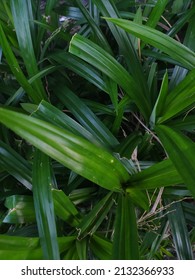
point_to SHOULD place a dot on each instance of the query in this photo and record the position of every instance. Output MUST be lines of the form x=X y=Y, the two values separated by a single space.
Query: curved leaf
x=159 y=175
x=44 y=208
x=98 y=57
x=16 y=165
x=181 y=152
x=159 y=40
x=72 y=151
x=180 y=232
x=22 y=11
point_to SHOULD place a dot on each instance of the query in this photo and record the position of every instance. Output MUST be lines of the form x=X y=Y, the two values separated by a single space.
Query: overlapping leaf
x=180 y=232
x=22 y=15
x=159 y=40
x=125 y=244
x=103 y=61
x=159 y=175
x=181 y=152
x=16 y=165
x=44 y=207
x=73 y=151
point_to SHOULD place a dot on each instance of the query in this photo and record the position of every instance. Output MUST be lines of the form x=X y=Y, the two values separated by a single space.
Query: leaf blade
x=125 y=244
x=102 y=60
x=159 y=40
x=74 y=152
x=180 y=150
x=44 y=208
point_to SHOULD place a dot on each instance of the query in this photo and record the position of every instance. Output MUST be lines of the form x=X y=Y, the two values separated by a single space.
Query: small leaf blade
x=44 y=208
x=181 y=152
x=125 y=244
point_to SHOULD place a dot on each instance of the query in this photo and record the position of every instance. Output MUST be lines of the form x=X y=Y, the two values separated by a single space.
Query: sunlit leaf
x=74 y=152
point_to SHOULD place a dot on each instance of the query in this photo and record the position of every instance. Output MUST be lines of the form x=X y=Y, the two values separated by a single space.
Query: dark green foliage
x=97 y=130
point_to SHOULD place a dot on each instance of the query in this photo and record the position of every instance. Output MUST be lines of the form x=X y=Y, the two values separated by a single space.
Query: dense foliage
x=97 y=129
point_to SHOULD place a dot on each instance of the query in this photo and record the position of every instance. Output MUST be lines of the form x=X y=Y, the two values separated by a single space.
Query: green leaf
x=80 y=67
x=177 y=6
x=125 y=244
x=15 y=98
x=86 y=116
x=126 y=47
x=21 y=11
x=160 y=102
x=97 y=33
x=21 y=209
x=189 y=211
x=49 y=113
x=44 y=208
x=180 y=98
x=187 y=123
x=156 y=13
x=50 y=4
x=161 y=174
x=15 y=242
x=159 y=40
x=15 y=165
x=181 y=152
x=64 y=208
x=101 y=247
x=15 y=68
x=104 y=62
x=74 y=152
x=28 y=248
x=180 y=232
x=128 y=145
x=139 y=197
x=19 y=248
x=82 y=194
x=185 y=17
x=82 y=246
x=93 y=220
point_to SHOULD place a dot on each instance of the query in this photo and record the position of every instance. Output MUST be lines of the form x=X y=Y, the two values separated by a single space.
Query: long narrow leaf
x=15 y=68
x=109 y=9
x=44 y=207
x=93 y=220
x=156 y=13
x=99 y=36
x=159 y=175
x=99 y=58
x=86 y=117
x=101 y=247
x=159 y=40
x=16 y=165
x=180 y=98
x=21 y=11
x=180 y=232
x=160 y=102
x=49 y=113
x=125 y=244
x=80 y=67
x=28 y=248
x=64 y=208
x=73 y=151
x=181 y=152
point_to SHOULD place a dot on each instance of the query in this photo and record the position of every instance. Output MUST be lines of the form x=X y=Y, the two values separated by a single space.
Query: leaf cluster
x=97 y=129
